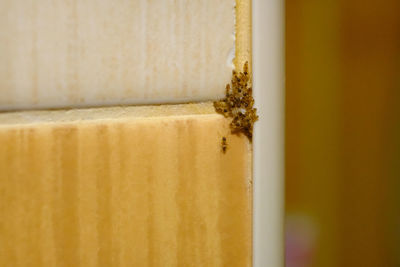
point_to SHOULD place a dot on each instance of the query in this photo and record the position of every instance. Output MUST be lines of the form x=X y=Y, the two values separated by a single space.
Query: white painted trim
x=268 y=82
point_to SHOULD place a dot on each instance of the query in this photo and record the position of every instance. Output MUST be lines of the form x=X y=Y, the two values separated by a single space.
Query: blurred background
x=342 y=133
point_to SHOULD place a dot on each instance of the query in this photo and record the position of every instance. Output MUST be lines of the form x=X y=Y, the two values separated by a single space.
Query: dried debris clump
x=238 y=103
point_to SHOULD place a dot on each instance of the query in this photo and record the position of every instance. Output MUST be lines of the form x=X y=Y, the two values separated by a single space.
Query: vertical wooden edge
x=243 y=53
x=250 y=176
x=243 y=34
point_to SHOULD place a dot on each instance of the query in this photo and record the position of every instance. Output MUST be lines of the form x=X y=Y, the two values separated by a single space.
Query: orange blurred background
x=342 y=133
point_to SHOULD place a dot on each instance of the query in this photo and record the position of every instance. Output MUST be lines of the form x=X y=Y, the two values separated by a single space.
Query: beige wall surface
x=343 y=128
x=124 y=189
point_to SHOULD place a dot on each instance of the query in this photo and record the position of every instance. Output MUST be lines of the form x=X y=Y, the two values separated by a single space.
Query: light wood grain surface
x=122 y=186
x=89 y=53
x=130 y=191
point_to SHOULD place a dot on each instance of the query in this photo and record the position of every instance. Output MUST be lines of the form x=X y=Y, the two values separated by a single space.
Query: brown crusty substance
x=238 y=103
